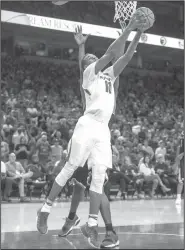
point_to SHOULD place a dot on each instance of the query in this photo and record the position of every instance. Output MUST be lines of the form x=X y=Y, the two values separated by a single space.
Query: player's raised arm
x=81 y=40
x=116 y=47
x=122 y=62
x=117 y=56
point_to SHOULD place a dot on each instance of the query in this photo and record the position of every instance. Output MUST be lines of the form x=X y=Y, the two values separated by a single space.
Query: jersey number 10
x=108 y=87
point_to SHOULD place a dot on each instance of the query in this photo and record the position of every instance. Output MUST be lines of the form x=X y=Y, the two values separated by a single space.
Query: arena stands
x=42 y=100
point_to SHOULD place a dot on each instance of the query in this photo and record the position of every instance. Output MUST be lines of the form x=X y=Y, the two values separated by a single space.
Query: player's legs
x=72 y=220
x=179 y=192
x=59 y=183
x=80 y=177
x=79 y=152
x=180 y=182
x=100 y=159
x=111 y=238
x=95 y=192
x=79 y=182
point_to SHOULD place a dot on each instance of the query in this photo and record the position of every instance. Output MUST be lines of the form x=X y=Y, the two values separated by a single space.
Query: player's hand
x=137 y=21
x=79 y=37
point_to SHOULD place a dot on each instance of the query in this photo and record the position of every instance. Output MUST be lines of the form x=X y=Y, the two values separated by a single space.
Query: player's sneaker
x=110 y=241
x=68 y=226
x=178 y=201
x=91 y=233
x=42 y=218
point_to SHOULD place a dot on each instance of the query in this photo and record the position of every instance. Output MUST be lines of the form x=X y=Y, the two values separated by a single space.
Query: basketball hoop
x=124 y=11
x=59 y=2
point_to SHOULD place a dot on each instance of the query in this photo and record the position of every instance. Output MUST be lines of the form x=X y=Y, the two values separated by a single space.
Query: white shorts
x=90 y=141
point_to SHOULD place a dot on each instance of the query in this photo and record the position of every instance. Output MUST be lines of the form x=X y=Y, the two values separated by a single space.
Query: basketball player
x=180 y=157
x=81 y=174
x=91 y=137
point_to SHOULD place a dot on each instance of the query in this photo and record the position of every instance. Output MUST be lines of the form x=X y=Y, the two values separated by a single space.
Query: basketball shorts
x=90 y=141
x=81 y=175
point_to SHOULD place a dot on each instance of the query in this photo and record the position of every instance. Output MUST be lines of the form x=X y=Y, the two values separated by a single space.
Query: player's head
x=87 y=60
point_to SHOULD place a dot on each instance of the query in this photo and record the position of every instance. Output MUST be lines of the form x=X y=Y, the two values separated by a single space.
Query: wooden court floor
x=145 y=224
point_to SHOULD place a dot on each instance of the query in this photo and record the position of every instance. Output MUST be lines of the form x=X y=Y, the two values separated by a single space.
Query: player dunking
x=81 y=174
x=91 y=138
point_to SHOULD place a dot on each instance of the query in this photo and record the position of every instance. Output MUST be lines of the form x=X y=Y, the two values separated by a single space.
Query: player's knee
x=98 y=178
x=65 y=174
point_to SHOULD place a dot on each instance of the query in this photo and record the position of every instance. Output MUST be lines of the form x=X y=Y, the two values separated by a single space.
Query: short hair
x=12 y=153
x=83 y=62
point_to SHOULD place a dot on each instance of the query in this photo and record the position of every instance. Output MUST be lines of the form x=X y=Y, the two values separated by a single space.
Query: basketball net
x=124 y=11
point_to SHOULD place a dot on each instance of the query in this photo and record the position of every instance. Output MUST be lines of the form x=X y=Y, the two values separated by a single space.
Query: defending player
x=180 y=161
x=91 y=137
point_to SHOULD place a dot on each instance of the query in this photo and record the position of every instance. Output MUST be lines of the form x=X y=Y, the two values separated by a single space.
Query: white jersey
x=99 y=93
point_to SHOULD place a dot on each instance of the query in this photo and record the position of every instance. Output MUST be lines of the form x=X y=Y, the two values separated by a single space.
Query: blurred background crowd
x=41 y=104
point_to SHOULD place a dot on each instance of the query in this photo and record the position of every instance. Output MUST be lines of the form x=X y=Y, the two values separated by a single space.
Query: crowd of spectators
x=41 y=104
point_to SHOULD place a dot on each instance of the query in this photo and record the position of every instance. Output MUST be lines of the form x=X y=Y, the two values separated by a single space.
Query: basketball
x=150 y=18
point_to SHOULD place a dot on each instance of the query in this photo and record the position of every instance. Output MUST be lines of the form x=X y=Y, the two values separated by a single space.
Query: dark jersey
x=182 y=160
x=182 y=145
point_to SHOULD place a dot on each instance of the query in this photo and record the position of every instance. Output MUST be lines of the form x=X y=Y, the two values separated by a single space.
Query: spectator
x=121 y=150
x=20 y=132
x=132 y=172
x=43 y=150
x=148 y=149
x=50 y=166
x=22 y=152
x=161 y=150
x=64 y=128
x=150 y=176
x=31 y=110
x=18 y=174
x=117 y=177
x=56 y=150
x=57 y=135
x=142 y=135
x=6 y=132
x=51 y=172
x=163 y=170
x=115 y=155
x=170 y=175
x=4 y=151
x=11 y=102
x=32 y=141
x=6 y=184
x=38 y=179
x=13 y=117
x=36 y=169
x=33 y=114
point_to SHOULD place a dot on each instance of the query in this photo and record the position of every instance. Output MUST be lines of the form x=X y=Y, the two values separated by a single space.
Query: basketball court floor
x=145 y=224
